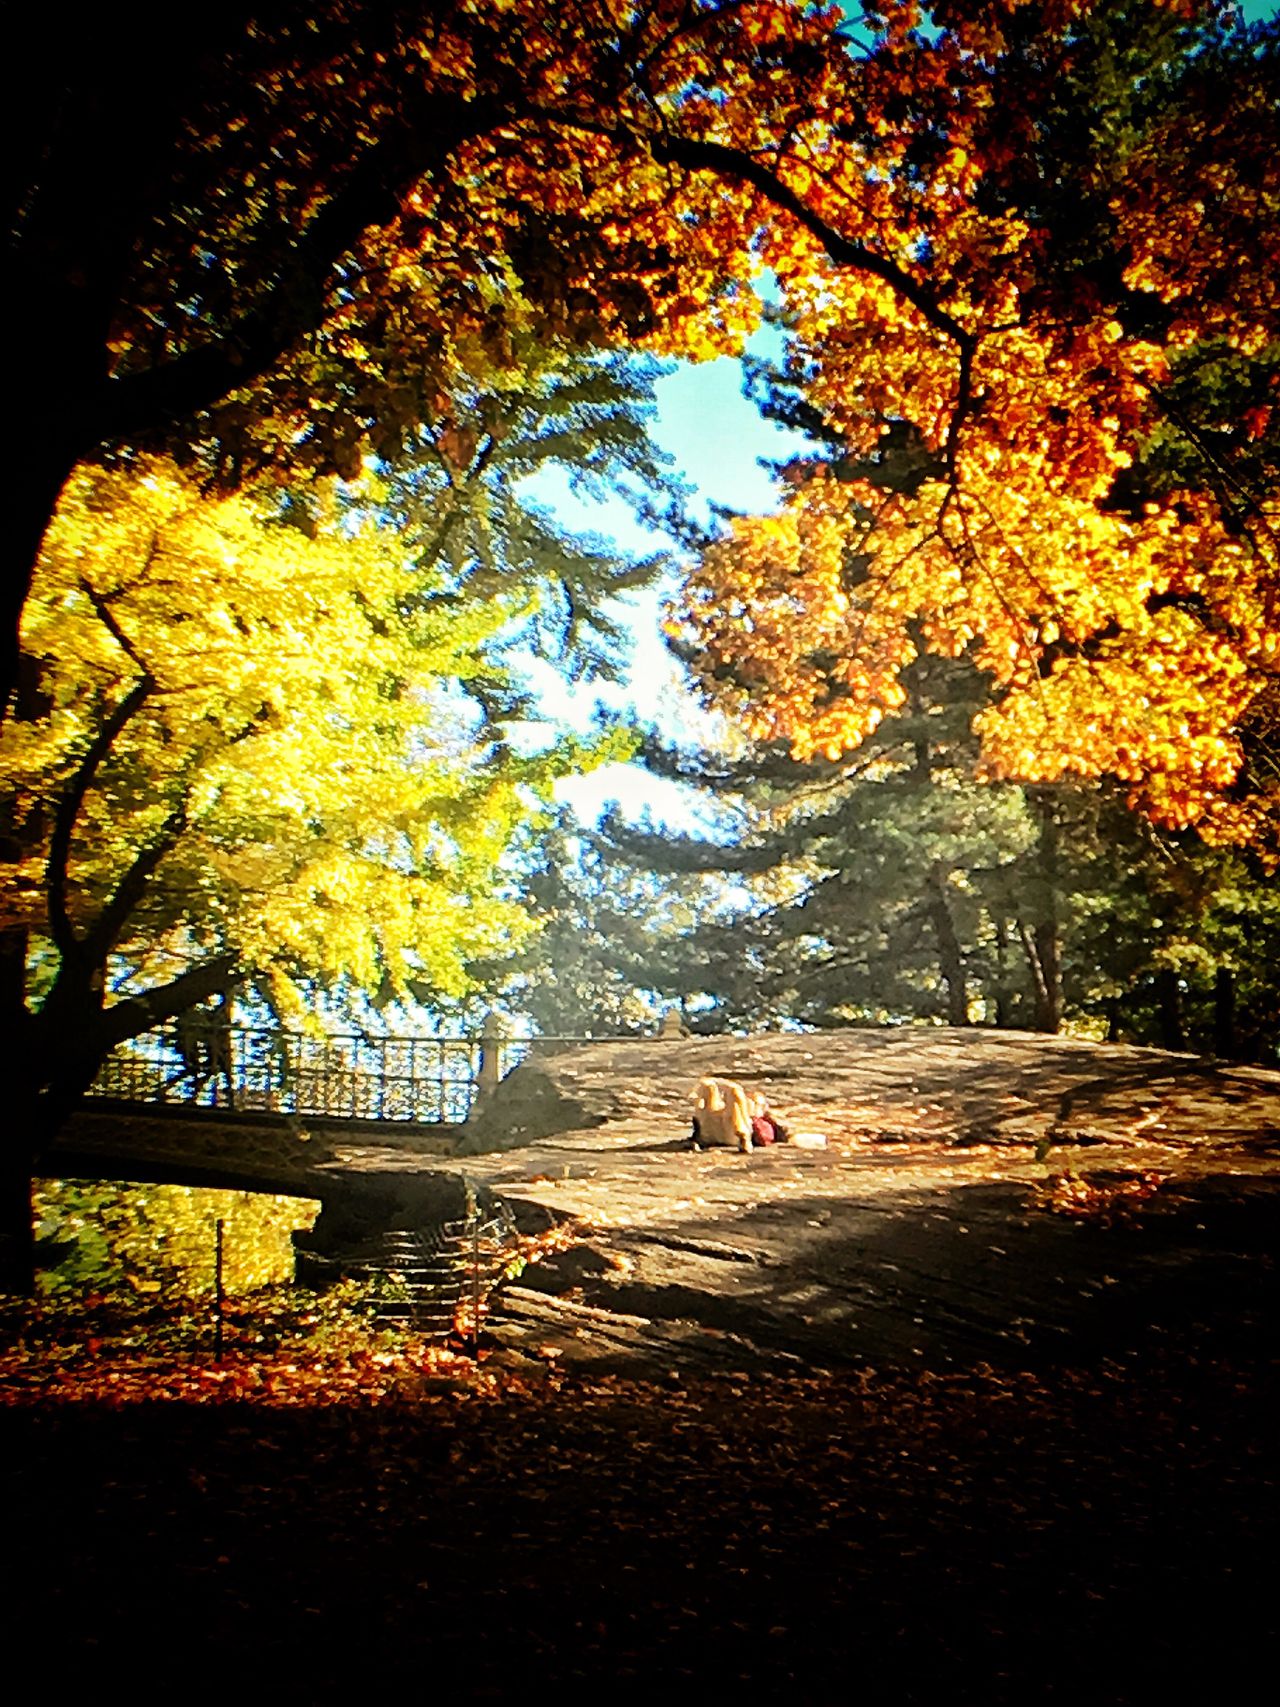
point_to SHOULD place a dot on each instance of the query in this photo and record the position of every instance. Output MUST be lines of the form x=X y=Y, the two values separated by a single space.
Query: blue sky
x=716 y=439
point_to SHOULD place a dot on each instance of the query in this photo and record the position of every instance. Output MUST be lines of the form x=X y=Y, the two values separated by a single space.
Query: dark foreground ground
x=1073 y=1535
x=976 y=1402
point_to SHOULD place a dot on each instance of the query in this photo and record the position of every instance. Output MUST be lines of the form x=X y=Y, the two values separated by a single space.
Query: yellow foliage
x=303 y=743
x=163 y=1238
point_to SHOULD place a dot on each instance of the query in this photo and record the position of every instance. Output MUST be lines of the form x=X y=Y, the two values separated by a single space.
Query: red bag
x=762 y=1129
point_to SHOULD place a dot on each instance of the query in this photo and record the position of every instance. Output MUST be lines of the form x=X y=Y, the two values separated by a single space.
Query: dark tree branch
x=106 y=616
x=733 y=163
x=73 y=798
x=136 y=1014
x=681 y=854
x=296 y=303
x=100 y=939
x=436 y=544
x=68 y=1047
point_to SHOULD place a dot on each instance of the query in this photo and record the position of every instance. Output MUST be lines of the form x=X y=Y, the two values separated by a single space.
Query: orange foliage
x=345 y=215
x=1128 y=631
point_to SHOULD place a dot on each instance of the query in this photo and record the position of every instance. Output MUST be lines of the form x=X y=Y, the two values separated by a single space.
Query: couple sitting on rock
x=723 y=1113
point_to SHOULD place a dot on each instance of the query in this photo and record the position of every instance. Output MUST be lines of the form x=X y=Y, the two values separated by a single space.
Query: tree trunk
x=1041 y=940
x=16 y=1152
x=1169 y=995
x=1048 y=985
x=17 y=1232
x=32 y=494
x=40 y=1102
x=1003 y=1000
x=1047 y=1001
x=950 y=953
x=44 y=1085
x=1224 y=1014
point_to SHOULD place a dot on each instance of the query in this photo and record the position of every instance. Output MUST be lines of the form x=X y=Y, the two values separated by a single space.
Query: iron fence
x=198 y=1062
x=243 y=1069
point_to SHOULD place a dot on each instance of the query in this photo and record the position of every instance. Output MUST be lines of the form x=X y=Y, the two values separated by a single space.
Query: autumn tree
x=884 y=885
x=272 y=246
x=890 y=886
x=242 y=755
x=464 y=495
x=1059 y=461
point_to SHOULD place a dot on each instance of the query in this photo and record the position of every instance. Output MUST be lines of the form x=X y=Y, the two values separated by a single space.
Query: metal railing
x=197 y=1062
x=244 y=1069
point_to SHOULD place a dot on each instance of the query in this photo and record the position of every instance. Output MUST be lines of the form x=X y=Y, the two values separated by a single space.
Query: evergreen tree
x=460 y=491
x=1173 y=944
x=895 y=888
x=612 y=943
x=865 y=883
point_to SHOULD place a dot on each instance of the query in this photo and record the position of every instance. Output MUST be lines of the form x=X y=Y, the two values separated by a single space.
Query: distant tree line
x=892 y=887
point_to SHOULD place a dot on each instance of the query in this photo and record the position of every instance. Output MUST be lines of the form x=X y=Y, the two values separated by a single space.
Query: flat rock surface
x=972 y=1197
x=927 y=1228
x=913 y=1416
